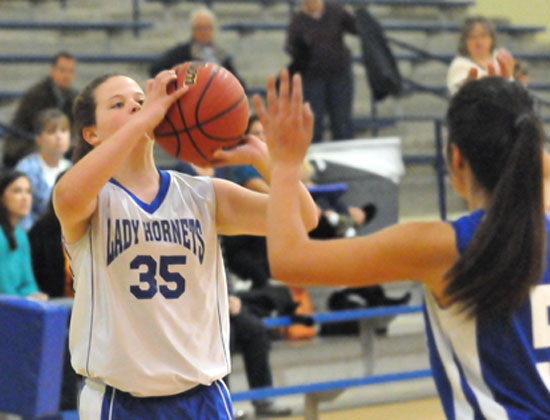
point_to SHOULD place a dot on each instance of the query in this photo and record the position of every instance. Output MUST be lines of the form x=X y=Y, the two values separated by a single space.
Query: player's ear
x=90 y=135
x=457 y=160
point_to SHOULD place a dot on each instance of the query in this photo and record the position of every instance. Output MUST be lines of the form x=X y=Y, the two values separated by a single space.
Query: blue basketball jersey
x=488 y=370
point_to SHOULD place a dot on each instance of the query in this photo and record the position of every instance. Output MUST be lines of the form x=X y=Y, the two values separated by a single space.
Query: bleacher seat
x=75 y=25
x=390 y=25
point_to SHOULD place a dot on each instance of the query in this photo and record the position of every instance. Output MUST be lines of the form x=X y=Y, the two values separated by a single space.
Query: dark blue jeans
x=333 y=95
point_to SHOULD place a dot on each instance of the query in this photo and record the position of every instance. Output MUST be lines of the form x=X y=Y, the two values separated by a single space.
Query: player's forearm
x=286 y=233
x=308 y=208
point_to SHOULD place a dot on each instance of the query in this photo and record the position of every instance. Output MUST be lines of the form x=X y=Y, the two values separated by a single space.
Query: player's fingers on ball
x=178 y=93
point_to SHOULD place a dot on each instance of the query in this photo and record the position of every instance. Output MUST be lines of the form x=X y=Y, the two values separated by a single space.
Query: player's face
x=479 y=42
x=117 y=99
x=62 y=72
x=55 y=139
x=17 y=198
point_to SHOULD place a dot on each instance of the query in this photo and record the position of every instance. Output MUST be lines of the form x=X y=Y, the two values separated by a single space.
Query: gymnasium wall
x=520 y=12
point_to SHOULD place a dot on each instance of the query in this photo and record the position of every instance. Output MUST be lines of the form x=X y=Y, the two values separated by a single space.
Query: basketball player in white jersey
x=486 y=275
x=149 y=328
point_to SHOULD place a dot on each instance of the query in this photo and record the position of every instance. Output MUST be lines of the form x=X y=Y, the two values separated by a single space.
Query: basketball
x=212 y=114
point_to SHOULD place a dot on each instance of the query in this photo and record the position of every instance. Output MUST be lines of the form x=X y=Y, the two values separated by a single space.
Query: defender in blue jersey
x=150 y=322
x=486 y=275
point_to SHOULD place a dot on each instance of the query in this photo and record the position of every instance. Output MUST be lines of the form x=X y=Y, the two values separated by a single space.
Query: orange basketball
x=212 y=114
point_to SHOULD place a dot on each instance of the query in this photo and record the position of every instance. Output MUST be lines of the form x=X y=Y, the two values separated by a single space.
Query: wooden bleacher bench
x=83 y=58
x=75 y=25
x=389 y=25
x=446 y=4
x=147 y=58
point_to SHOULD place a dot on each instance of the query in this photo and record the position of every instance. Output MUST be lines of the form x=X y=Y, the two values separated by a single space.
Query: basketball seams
x=208 y=121
x=207 y=98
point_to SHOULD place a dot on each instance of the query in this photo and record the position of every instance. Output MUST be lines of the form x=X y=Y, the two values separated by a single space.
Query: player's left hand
x=249 y=151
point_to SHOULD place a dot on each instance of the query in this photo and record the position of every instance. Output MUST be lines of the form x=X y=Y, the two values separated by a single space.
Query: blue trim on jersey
x=159 y=198
x=438 y=370
x=92 y=297
x=220 y=327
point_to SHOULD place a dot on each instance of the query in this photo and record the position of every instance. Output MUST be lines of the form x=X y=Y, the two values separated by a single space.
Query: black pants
x=249 y=335
x=246 y=256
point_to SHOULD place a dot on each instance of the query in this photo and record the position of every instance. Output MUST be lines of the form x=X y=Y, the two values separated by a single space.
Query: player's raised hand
x=288 y=123
x=250 y=151
x=157 y=99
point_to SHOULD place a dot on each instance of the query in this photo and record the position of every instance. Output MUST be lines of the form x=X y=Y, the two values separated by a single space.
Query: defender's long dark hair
x=493 y=124
x=84 y=115
x=7 y=177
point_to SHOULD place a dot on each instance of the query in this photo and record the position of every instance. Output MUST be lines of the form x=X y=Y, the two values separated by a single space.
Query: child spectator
x=16 y=277
x=52 y=134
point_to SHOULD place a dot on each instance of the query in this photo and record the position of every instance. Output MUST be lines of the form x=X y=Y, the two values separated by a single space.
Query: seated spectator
x=51 y=269
x=336 y=218
x=246 y=255
x=201 y=47
x=478 y=50
x=16 y=276
x=54 y=91
x=521 y=74
x=249 y=335
x=52 y=134
x=46 y=244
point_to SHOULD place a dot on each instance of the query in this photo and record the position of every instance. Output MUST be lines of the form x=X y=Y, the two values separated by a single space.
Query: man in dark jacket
x=54 y=91
x=201 y=47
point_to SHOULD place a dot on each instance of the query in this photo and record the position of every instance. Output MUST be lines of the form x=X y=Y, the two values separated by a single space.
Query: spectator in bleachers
x=16 y=276
x=315 y=41
x=201 y=47
x=49 y=261
x=55 y=91
x=52 y=134
x=521 y=74
x=51 y=269
x=477 y=49
x=250 y=336
x=246 y=255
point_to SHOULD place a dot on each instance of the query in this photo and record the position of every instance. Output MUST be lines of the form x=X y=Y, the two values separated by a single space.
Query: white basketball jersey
x=150 y=314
